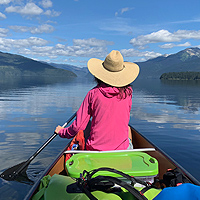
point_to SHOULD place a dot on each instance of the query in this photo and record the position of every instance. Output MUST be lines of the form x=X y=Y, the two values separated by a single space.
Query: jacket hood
x=108 y=91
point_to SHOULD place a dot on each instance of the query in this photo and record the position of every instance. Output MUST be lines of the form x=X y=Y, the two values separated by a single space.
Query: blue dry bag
x=186 y=191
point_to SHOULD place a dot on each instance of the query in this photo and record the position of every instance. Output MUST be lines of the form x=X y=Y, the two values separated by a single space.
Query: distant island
x=181 y=76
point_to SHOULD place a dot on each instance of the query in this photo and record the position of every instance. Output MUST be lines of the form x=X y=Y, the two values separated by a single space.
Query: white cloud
x=31 y=9
x=11 y=44
x=90 y=47
x=20 y=28
x=81 y=48
x=171 y=45
x=35 y=46
x=3 y=32
x=28 y=9
x=5 y=1
x=91 y=42
x=2 y=16
x=45 y=28
x=123 y=10
x=60 y=46
x=135 y=53
x=46 y=3
x=42 y=49
x=155 y=37
x=32 y=41
x=52 y=13
x=164 y=36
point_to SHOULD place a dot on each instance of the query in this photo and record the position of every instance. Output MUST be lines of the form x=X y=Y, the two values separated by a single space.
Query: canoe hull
x=139 y=142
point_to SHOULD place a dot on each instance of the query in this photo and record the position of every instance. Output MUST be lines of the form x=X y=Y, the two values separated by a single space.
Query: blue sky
x=73 y=31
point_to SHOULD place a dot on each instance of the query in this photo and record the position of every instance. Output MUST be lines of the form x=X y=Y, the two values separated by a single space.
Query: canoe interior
x=139 y=141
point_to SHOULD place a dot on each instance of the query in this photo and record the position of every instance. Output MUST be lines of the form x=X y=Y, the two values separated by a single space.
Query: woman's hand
x=58 y=128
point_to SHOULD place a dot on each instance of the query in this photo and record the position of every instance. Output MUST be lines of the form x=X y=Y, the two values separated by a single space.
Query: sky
x=73 y=31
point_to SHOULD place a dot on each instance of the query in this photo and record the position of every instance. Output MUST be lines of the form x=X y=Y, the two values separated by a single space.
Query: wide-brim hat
x=113 y=70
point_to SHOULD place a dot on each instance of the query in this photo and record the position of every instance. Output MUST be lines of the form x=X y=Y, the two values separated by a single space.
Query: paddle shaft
x=26 y=163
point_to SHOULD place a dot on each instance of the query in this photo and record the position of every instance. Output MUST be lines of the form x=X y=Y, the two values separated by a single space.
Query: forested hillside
x=181 y=76
x=15 y=65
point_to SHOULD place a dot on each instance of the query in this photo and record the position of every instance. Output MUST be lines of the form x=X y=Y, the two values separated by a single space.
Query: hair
x=123 y=91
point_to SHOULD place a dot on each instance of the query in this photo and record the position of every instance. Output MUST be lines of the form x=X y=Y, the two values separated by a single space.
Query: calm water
x=165 y=112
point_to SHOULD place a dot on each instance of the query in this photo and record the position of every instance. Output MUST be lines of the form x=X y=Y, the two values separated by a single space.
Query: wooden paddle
x=18 y=172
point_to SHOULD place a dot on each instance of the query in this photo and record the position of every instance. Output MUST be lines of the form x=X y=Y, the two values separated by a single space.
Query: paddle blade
x=11 y=174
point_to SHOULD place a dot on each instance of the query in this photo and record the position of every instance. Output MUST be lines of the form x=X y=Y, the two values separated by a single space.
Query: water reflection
x=163 y=104
x=18 y=82
x=184 y=94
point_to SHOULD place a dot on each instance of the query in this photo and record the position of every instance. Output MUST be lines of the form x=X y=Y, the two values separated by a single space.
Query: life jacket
x=78 y=143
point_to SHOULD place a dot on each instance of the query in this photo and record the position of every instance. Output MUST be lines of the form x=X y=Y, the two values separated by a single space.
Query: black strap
x=121 y=183
x=102 y=183
x=145 y=189
x=131 y=178
x=89 y=194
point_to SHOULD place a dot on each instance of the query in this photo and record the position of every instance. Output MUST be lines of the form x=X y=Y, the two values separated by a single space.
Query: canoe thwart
x=114 y=151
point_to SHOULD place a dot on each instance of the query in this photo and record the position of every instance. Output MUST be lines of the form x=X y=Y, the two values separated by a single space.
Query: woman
x=109 y=105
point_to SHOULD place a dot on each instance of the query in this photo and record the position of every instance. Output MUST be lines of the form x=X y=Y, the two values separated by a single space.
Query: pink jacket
x=110 y=118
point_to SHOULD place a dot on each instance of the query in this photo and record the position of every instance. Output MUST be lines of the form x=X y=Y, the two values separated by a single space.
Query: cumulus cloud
x=46 y=3
x=135 y=53
x=52 y=13
x=3 y=32
x=5 y=1
x=60 y=46
x=9 y=44
x=91 y=42
x=2 y=16
x=29 y=9
x=164 y=36
x=44 y=28
x=35 y=46
x=55 y=51
x=171 y=45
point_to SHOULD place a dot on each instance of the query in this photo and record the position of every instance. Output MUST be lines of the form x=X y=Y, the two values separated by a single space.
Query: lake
x=166 y=112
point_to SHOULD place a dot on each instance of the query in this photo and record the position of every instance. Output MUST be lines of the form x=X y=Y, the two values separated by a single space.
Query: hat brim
x=118 y=79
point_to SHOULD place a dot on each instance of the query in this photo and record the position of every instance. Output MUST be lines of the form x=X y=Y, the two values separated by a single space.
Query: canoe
x=142 y=147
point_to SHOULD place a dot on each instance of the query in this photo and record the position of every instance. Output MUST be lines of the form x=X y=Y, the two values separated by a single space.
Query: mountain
x=81 y=72
x=15 y=65
x=183 y=61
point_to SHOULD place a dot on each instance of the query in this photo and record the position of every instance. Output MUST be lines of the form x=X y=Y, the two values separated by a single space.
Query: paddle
x=18 y=172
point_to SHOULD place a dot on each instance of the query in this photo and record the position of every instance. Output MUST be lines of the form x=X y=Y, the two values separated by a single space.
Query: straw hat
x=113 y=70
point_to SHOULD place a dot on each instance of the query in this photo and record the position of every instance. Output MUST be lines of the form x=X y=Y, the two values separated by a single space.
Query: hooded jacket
x=110 y=117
